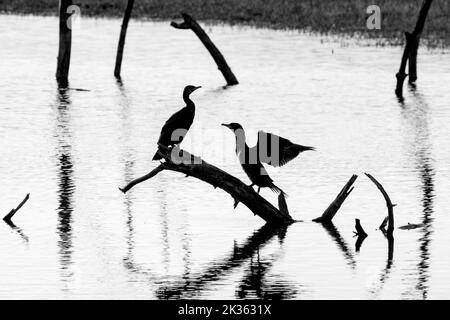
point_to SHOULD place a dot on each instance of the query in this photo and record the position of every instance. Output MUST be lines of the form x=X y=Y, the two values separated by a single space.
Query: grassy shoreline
x=321 y=16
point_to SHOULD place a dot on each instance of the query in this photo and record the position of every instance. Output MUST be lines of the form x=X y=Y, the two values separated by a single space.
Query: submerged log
x=195 y=167
x=411 y=49
x=190 y=23
x=334 y=207
x=65 y=43
x=10 y=215
x=123 y=35
x=389 y=205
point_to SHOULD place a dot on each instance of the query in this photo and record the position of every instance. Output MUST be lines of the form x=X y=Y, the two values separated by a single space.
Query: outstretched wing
x=275 y=150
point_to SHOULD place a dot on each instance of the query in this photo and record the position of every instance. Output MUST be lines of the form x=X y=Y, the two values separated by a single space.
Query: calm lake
x=174 y=237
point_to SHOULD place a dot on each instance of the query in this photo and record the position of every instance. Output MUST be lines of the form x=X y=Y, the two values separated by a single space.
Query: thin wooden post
x=65 y=43
x=123 y=35
x=190 y=23
x=410 y=51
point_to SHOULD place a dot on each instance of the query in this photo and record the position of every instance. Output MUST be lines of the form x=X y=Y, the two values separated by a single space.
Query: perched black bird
x=251 y=164
x=175 y=129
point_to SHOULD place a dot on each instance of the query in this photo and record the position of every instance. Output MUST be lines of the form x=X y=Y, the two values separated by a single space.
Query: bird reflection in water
x=256 y=284
x=193 y=285
x=416 y=115
x=66 y=186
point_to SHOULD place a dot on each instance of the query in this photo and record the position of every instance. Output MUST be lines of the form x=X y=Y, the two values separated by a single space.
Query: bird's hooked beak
x=226 y=125
x=195 y=88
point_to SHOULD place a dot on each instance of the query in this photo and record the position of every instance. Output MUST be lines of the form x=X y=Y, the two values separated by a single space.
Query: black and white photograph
x=233 y=150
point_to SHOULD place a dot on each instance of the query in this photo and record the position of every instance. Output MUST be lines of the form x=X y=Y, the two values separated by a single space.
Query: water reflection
x=163 y=214
x=129 y=260
x=384 y=275
x=128 y=173
x=256 y=283
x=416 y=115
x=341 y=243
x=66 y=186
x=18 y=230
x=193 y=285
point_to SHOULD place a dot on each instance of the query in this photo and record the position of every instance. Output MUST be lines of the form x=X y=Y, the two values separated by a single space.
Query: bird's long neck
x=188 y=101
x=241 y=144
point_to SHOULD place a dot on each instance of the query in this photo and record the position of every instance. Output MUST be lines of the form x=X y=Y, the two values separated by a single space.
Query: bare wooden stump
x=360 y=233
x=390 y=206
x=359 y=229
x=334 y=207
x=401 y=74
x=123 y=35
x=65 y=43
x=10 y=215
x=190 y=23
x=411 y=49
x=195 y=167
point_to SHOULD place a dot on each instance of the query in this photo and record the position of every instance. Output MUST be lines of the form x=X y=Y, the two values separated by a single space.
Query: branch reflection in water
x=415 y=113
x=255 y=284
x=341 y=243
x=192 y=286
x=66 y=185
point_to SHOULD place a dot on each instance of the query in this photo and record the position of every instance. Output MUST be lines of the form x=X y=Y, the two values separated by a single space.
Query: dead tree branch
x=334 y=207
x=190 y=23
x=411 y=49
x=218 y=178
x=9 y=216
x=123 y=35
x=390 y=206
x=65 y=43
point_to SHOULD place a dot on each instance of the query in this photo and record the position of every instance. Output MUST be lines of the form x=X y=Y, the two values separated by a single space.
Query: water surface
x=176 y=237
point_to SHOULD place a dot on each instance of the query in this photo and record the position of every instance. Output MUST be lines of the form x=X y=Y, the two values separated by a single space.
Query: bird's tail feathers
x=274 y=188
x=306 y=148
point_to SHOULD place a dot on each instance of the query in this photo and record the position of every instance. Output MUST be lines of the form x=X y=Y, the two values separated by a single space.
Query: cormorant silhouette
x=250 y=157
x=175 y=129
